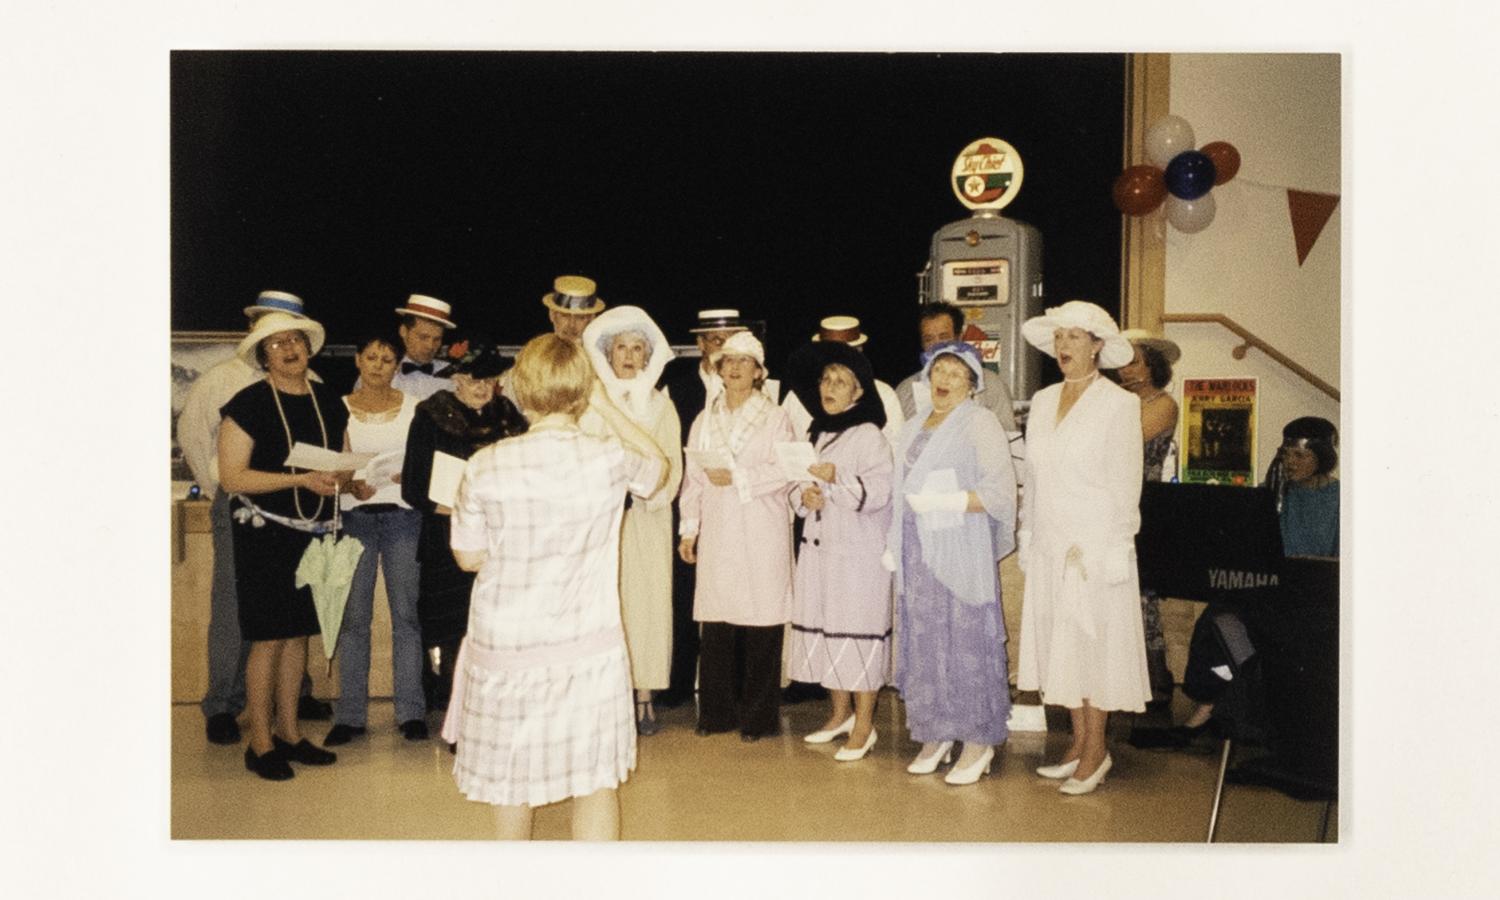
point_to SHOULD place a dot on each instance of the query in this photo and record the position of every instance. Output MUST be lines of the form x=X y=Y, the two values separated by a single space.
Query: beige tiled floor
x=688 y=788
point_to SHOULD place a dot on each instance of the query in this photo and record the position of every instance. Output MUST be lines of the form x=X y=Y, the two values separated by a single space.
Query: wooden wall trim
x=1143 y=245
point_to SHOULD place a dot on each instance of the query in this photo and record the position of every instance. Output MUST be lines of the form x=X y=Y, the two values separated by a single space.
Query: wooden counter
x=192 y=581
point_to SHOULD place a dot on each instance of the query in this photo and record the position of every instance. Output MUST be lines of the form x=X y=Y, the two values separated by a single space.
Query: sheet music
x=447 y=472
x=321 y=459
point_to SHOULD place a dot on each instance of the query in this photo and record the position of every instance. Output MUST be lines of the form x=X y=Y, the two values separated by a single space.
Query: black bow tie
x=409 y=367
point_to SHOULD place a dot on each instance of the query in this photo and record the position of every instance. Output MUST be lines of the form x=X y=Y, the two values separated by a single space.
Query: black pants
x=739 y=679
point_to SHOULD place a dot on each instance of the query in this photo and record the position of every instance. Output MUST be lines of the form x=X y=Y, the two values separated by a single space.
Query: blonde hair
x=552 y=376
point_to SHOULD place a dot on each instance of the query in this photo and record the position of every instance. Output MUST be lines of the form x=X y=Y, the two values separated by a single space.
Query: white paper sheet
x=319 y=459
x=382 y=470
x=447 y=472
x=794 y=458
x=710 y=459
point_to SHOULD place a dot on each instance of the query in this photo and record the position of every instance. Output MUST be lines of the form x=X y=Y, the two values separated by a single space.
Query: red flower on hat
x=458 y=350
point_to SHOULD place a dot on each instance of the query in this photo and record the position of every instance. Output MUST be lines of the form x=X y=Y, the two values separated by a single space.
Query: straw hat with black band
x=574 y=294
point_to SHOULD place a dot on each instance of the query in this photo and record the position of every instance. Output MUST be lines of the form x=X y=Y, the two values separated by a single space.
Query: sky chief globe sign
x=987 y=174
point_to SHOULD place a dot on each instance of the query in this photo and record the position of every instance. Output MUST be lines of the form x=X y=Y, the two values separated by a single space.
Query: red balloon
x=1139 y=190
x=1226 y=160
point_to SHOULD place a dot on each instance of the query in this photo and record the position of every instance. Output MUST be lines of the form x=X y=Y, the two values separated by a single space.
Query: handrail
x=1251 y=340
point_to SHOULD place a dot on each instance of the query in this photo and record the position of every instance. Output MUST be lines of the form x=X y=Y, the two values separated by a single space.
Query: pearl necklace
x=1085 y=379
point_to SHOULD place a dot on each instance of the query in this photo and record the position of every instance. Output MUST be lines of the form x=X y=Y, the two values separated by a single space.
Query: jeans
x=389 y=536
x=226 y=652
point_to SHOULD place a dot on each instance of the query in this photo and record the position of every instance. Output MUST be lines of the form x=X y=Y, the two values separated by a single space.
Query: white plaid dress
x=546 y=705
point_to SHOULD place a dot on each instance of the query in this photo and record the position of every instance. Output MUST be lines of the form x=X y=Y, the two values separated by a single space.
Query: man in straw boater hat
x=423 y=321
x=198 y=435
x=846 y=329
x=572 y=304
x=689 y=383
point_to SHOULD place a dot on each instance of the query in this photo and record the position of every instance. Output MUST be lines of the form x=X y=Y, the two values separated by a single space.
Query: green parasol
x=327 y=567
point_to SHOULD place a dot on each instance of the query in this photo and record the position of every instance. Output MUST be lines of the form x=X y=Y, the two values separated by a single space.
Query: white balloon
x=1168 y=137
x=1191 y=216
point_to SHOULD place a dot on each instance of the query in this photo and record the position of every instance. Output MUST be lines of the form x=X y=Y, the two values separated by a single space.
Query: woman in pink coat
x=736 y=528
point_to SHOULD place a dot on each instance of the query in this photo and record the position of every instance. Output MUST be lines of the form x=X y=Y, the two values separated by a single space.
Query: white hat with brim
x=275 y=301
x=1039 y=331
x=429 y=308
x=575 y=295
x=275 y=323
x=1166 y=347
x=741 y=343
x=844 y=329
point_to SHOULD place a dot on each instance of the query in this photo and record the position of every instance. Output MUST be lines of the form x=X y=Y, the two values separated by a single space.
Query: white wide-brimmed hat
x=841 y=328
x=275 y=301
x=633 y=396
x=429 y=308
x=574 y=294
x=1092 y=318
x=741 y=343
x=275 y=323
x=1165 y=346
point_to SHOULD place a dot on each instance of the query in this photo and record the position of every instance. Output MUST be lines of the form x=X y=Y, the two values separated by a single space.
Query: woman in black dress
x=458 y=422
x=278 y=511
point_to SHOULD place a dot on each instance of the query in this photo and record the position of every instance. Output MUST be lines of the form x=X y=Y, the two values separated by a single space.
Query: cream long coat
x=646 y=541
x=1081 y=633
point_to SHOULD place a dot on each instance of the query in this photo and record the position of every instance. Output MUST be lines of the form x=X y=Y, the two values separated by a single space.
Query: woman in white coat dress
x=1081 y=640
x=628 y=351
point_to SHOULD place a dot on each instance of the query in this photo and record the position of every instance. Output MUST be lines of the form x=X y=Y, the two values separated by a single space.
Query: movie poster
x=1218 y=426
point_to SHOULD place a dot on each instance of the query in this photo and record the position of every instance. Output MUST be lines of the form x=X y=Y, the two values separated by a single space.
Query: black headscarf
x=805 y=372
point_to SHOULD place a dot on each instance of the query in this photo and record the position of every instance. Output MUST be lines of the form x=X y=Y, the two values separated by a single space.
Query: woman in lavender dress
x=957 y=516
x=841 y=603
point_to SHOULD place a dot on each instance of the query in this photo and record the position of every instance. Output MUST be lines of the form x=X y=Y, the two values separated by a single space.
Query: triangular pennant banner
x=1310 y=213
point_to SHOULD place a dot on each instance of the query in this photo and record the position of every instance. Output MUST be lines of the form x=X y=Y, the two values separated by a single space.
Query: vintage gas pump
x=990 y=266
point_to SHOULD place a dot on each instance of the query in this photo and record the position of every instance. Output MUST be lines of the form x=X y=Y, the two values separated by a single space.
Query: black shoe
x=1177 y=737
x=312 y=708
x=270 y=766
x=304 y=752
x=670 y=699
x=223 y=729
x=414 y=730
x=342 y=734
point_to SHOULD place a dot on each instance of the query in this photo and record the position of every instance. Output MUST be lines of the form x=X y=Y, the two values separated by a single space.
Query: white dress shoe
x=926 y=765
x=847 y=755
x=1074 y=786
x=970 y=773
x=828 y=734
x=1061 y=770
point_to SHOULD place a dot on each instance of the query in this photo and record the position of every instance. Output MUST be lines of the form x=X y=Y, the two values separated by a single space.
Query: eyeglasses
x=275 y=344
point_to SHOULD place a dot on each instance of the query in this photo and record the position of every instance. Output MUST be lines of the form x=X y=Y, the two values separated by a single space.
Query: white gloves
x=951 y=501
x=888 y=561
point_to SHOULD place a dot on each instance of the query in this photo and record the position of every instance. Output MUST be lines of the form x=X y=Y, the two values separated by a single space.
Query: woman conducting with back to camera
x=1082 y=643
x=541 y=706
x=957 y=485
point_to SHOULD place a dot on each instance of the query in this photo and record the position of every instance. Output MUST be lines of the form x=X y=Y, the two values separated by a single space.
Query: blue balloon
x=1190 y=175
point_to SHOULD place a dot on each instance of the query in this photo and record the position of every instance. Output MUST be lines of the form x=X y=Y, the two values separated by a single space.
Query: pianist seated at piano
x=1307 y=502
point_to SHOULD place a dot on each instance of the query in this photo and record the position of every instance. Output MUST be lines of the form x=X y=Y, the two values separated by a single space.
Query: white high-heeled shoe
x=1074 y=786
x=971 y=773
x=828 y=734
x=926 y=765
x=847 y=755
x=1061 y=770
